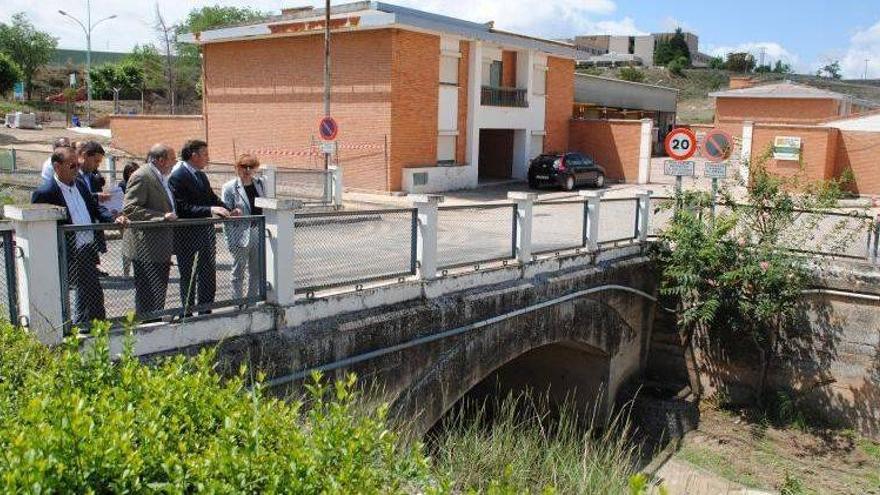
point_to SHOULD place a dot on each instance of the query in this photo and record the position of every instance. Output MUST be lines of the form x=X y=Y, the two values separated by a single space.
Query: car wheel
x=568 y=185
x=600 y=181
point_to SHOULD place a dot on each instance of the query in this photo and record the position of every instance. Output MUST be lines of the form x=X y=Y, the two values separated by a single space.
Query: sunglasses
x=249 y=167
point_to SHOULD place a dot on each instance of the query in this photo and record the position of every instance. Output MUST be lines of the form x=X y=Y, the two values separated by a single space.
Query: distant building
x=783 y=102
x=609 y=50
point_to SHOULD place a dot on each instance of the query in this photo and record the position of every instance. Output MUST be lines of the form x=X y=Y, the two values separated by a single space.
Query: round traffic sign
x=328 y=128
x=717 y=146
x=681 y=143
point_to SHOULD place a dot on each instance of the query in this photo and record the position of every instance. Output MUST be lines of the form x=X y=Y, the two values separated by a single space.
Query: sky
x=804 y=33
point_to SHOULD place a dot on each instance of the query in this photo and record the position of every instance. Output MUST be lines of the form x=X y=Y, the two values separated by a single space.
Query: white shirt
x=48 y=170
x=164 y=181
x=79 y=213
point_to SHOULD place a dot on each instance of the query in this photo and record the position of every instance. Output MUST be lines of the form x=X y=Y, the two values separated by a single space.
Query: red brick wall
x=508 y=69
x=137 y=133
x=268 y=95
x=859 y=151
x=614 y=144
x=818 y=150
x=774 y=110
x=415 y=77
x=461 y=139
x=560 y=103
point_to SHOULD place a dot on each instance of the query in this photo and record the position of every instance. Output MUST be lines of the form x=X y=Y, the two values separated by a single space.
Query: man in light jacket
x=242 y=236
x=148 y=198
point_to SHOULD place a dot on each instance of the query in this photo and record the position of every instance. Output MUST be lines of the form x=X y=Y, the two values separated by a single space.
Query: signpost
x=717 y=146
x=715 y=171
x=680 y=145
x=328 y=128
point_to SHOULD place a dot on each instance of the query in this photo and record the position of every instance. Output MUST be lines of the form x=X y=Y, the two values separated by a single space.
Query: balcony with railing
x=503 y=97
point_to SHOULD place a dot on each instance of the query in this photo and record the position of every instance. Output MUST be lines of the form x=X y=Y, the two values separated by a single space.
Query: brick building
x=424 y=102
x=782 y=103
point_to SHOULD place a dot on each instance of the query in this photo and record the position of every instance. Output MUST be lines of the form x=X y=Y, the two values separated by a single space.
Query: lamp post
x=88 y=33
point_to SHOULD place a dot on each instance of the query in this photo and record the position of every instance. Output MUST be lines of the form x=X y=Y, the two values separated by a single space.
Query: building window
x=539 y=80
x=445 y=150
x=448 y=69
x=495 y=72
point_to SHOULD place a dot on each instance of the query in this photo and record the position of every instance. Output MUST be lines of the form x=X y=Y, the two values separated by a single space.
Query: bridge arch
x=582 y=344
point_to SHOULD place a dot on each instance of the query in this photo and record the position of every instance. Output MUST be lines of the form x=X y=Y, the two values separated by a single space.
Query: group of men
x=160 y=192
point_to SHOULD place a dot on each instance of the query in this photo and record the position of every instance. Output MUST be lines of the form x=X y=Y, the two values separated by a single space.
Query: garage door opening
x=496 y=155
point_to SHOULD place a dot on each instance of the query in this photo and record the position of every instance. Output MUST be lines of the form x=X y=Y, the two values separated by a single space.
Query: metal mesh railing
x=558 y=225
x=831 y=233
x=160 y=269
x=8 y=278
x=618 y=220
x=351 y=248
x=660 y=212
x=475 y=234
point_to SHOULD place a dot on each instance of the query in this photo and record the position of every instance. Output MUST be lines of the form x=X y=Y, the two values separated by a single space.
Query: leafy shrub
x=75 y=421
x=631 y=74
x=677 y=66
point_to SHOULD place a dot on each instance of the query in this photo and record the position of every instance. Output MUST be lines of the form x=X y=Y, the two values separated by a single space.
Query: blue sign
x=18 y=91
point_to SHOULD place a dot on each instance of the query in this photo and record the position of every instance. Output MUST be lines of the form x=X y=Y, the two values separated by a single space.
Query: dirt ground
x=755 y=454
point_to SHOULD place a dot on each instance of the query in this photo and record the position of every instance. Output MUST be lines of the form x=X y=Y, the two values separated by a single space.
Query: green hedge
x=79 y=422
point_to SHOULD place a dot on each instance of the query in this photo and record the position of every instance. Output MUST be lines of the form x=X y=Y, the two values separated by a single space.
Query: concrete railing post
x=647 y=139
x=270 y=181
x=39 y=269
x=644 y=214
x=426 y=242
x=280 y=261
x=524 y=202
x=336 y=185
x=745 y=154
x=110 y=167
x=591 y=221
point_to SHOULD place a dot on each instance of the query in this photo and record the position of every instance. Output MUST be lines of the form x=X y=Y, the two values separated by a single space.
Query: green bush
x=631 y=74
x=81 y=422
x=677 y=66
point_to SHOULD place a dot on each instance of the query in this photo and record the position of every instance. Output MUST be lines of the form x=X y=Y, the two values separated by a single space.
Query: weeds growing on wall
x=739 y=274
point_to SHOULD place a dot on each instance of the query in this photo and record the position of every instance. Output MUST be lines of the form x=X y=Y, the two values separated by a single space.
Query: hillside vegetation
x=694 y=104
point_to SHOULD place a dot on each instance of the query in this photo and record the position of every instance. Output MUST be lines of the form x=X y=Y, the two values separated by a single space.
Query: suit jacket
x=50 y=193
x=238 y=233
x=146 y=201
x=193 y=198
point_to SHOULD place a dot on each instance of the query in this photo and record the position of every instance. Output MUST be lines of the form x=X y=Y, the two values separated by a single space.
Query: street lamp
x=88 y=33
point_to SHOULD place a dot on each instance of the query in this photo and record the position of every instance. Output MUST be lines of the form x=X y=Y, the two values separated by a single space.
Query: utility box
x=20 y=120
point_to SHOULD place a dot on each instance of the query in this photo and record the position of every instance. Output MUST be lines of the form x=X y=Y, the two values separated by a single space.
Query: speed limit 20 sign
x=681 y=144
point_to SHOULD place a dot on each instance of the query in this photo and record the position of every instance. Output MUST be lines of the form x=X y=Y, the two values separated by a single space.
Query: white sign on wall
x=787 y=148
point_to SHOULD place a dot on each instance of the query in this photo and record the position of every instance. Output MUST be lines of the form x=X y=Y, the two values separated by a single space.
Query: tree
x=781 y=68
x=125 y=76
x=740 y=62
x=166 y=38
x=10 y=74
x=631 y=74
x=716 y=63
x=29 y=48
x=830 y=70
x=733 y=278
x=672 y=49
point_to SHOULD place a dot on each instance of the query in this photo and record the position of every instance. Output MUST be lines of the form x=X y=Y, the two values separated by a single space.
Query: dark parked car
x=566 y=170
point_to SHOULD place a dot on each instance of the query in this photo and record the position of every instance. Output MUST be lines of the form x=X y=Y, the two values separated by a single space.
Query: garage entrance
x=496 y=154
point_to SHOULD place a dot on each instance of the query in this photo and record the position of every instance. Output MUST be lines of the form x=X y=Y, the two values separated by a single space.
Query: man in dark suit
x=196 y=246
x=82 y=254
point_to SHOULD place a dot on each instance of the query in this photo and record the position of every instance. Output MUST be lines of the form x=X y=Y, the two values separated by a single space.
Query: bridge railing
x=107 y=271
x=353 y=247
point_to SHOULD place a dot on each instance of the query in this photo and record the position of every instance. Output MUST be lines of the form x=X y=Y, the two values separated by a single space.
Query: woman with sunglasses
x=242 y=236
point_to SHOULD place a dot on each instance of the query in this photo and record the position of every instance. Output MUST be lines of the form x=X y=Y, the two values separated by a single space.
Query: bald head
x=162 y=156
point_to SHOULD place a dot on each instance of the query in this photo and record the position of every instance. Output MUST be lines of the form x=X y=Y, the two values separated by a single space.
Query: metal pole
x=327 y=73
x=714 y=196
x=89 y=62
x=677 y=184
